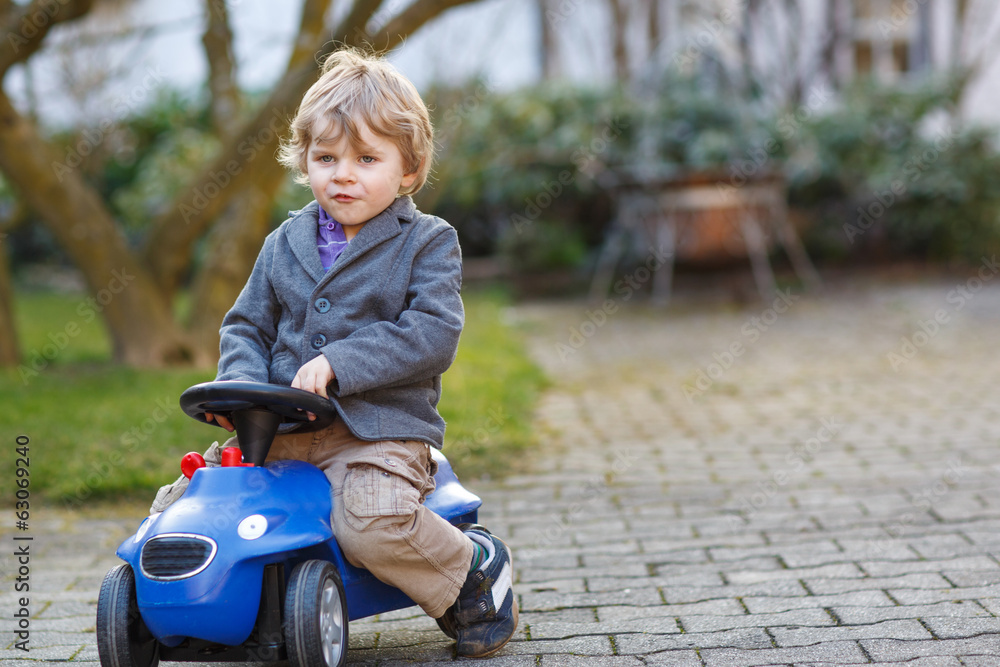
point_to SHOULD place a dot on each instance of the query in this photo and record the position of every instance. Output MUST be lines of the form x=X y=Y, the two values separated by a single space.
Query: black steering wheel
x=258 y=411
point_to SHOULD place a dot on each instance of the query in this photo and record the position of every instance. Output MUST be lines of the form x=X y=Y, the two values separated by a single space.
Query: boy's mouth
x=342 y=198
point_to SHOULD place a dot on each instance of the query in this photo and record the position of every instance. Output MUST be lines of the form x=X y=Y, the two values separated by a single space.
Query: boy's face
x=354 y=186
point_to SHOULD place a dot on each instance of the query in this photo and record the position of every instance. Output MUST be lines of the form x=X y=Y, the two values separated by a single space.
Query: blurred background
x=583 y=145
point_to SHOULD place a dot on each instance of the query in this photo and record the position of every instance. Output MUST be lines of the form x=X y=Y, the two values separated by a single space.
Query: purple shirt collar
x=330 y=239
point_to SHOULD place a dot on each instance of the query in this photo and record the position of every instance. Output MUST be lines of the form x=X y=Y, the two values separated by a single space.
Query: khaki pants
x=378 y=516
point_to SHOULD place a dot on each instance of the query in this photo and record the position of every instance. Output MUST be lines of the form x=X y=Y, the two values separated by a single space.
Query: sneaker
x=484 y=617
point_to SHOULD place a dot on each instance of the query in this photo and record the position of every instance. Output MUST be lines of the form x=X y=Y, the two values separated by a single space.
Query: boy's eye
x=326 y=158
x=367 y=159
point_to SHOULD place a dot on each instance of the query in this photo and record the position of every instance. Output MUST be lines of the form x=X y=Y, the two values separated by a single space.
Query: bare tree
x=619 y=35
x=654 y=33
x=977 y=38
x=10 y=351
x=218 y=43
x=144 y=329
x=548 y=46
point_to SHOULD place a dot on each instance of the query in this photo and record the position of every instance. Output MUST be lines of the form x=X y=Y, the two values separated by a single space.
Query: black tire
x=315 y=616
x=123 y=640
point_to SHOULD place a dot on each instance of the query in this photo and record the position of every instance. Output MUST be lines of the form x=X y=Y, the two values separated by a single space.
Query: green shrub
x=543 y=245
x=885 y=175
x=509 y=159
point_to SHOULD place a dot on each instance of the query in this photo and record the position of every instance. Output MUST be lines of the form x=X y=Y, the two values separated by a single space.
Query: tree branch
x=311 y=29
x=139 y=318
x=168 y=246
x=218 y=43
x=26 y=29
x=410 y=19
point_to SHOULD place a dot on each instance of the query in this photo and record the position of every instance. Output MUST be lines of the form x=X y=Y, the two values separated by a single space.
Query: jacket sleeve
x=422 y=342
x=250 y=327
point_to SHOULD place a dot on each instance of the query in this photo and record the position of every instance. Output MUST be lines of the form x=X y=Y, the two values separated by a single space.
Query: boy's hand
x=314 y=376
x=220 y=420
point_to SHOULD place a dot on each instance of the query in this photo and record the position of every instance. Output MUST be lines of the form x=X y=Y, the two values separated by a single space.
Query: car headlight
x=144 y=527
x=252 y=527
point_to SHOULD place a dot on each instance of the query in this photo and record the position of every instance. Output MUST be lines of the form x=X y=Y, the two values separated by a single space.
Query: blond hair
x=356 y=88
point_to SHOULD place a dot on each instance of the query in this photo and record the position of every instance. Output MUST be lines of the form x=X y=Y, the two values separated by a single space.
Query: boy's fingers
x=220 y=420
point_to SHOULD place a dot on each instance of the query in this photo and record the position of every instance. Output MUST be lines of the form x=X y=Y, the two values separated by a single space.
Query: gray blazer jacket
x=387 y=316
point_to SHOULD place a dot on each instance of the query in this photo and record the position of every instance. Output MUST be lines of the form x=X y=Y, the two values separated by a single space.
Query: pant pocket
x=374 y=490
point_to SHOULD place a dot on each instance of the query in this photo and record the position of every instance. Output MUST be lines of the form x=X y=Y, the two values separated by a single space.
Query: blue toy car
x=244 y=566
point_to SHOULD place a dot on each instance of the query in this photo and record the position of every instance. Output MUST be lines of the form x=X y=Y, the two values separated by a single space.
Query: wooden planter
x=709 y=213
x=703 y=217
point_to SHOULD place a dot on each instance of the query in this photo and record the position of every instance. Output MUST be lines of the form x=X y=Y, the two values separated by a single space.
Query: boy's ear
x=411 y=178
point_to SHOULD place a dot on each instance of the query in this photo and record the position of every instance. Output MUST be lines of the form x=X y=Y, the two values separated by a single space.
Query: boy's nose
x=344 y=173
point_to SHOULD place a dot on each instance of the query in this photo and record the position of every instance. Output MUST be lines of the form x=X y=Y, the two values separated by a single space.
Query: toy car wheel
x=123 y=640
x=315 y=616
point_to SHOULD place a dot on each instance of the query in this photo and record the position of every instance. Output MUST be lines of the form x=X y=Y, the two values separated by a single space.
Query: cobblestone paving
x=772 y=484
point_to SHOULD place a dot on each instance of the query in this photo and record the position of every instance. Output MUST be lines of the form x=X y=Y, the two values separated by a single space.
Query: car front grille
x=176 y=556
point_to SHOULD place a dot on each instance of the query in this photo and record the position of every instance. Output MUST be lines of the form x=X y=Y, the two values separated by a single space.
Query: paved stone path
x=773 y=484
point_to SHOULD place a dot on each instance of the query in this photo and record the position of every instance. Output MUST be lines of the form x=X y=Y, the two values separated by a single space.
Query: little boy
x=356 y=298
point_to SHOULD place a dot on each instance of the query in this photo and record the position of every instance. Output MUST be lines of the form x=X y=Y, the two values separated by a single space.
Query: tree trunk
x=218 y=43
x=619 y=27
x=28 y=25
x=10 y=351
x=168 y=247
x=232 y=251
x=134 y=295
x=138 y=316
x=654 y=30
x=233 y=246
x=236 y=237
x=244 y=154
x=548 y=46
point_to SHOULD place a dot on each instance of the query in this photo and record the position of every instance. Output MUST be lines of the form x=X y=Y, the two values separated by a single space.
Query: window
x=890 y=38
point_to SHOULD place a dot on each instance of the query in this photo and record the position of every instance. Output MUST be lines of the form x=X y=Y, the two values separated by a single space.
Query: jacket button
x=322 y=305
x=318 y=341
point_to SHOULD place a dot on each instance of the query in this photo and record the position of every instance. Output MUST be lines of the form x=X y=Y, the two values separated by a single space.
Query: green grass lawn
x=103 y=433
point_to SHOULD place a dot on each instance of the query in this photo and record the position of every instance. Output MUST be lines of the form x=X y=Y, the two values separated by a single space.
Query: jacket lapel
x=301 y=234
x=380 y=228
